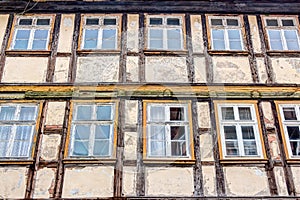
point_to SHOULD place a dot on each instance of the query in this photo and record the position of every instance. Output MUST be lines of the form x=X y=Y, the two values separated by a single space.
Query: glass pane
x=289 y=113
x=90 y=39
x=287 y=22
x=157 y=114
x=101 y=148
x=177 y=133
x=218 y=39
x=82 y=132
x=174 y=39
x=232 y=22
x=110 y=21
x=293 y=132
x=104 y=113
x=177 y=113
x=275 y=40
x=22 y=39
x=295 y=147
x=291 y=39
x=235 y=45
x=84 y=112
x=5 y=134
x=109 y=39
x=157 y=133
x=248 y=133
x=230 y=132
x=43 y=22
x=173 y=21
x=102 y=132
x=23 y=34
x=216 y=22
x=250 y=148
x=272 y=22
x=227 y=113
x=156 y=38
x=157 y=148
x=39 y=44
x=21 y=44
x=245 y=113
x=23 y=132
x=178 y=148
x=7 y=113
x=21 y=143
x=92 y=21
x=155 y=21
x=41 y=34
x=234 y=34
x=25 y=21
x=232 y=148
x=90 y=44
x=27 y=113
x=81 y=148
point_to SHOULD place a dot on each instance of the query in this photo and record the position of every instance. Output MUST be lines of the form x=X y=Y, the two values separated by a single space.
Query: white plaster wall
x=50 y=147
x=203 y=114
x=83 y=182
x=196 y=28
x=286 y=70
x=200 y=69
x=206 y=147
x=3 y=24
x=262 y=71
x=246 y=181
x=66 y=33
x=131 y=110
x=129 y=181
x=280 y=181
x=61 y=70
x=55 y=113
x=132 y=32
x=169 y=181
x=130 y=146
x=209 y=180
x=166 y=69
x=98 y=69
x=296 y=175
x=13 y=182
x=132 y=69
x=19 y=69
x=44 y=184
x=228 y=69
x=268 y=114
x=254 y=34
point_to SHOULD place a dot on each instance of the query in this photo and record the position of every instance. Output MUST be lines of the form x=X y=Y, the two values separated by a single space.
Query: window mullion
x=100 y=37
x=283 y=40
x=165 y=38
x=226 y=39
x=168 y=139
x=240 y=139
x=31 y=37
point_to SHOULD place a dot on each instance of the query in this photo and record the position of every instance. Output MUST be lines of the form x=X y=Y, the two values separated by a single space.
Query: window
x=18 y=126
x=290 y=123
x=100 y=32
x=32 y=33
x=282 y=33
x=226 y=33
x=165 y=33
x=168 y=130
x=239 y=132
x=92 y=130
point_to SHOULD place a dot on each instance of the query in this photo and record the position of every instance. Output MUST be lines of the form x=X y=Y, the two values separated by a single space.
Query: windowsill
x=89 y=160
x=279 y=52
x=228 y=52
x=99 y=51
x=15 y=162
x=243 y=160
x=28 y=52
x=295 y=160
x=165 y=52
x=169 y=161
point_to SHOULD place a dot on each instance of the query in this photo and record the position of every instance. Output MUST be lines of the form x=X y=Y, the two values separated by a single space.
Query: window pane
x=155 y=21
x=234 y=40
x=7 y=113
x=227 y=113
x=5 y=134
x=90 y=39
x=291 y=39
x=22 y=38
x=41 y=34
x=250 y=148
x=110 y=21
x=293 y=132
x=245 y=113
x=40 y=39
x=232 y=22
x=275 y=40
x=216 y=22
x=272 y=22
x=178 y=148
x=287 y=22
x=289 y=113
x=232 y=148
x=101 y=148
x=177 y=113
x=102 y=132
x=43 y=21
x=39 y=44
x=21 y=44
x=230 y=132
x=92 y=21
x=177 y=133
x=27 y=113
x=218 y=39
x=157 y=114
x=84 y=112
x=81 y=148
x=295 y=147
x=248 y=133
x=157 y=148
x=174 y=39
x=157 y=133
x=173 y=21
x=23 y=34
x=82 y=132
x=21 y=142
x=104 y=113
x=156 y=39
x=109 y=39
x=25 y=21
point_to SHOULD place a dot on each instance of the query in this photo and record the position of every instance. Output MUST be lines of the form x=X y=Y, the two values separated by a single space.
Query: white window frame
x=282 y=28
x=286 y=123
x=14 y=123
x=32 y=29
x=238 y=123
x=164 y=27
x=93 y=123
x=167 y=124
x=100 y=27
x=226 y=28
